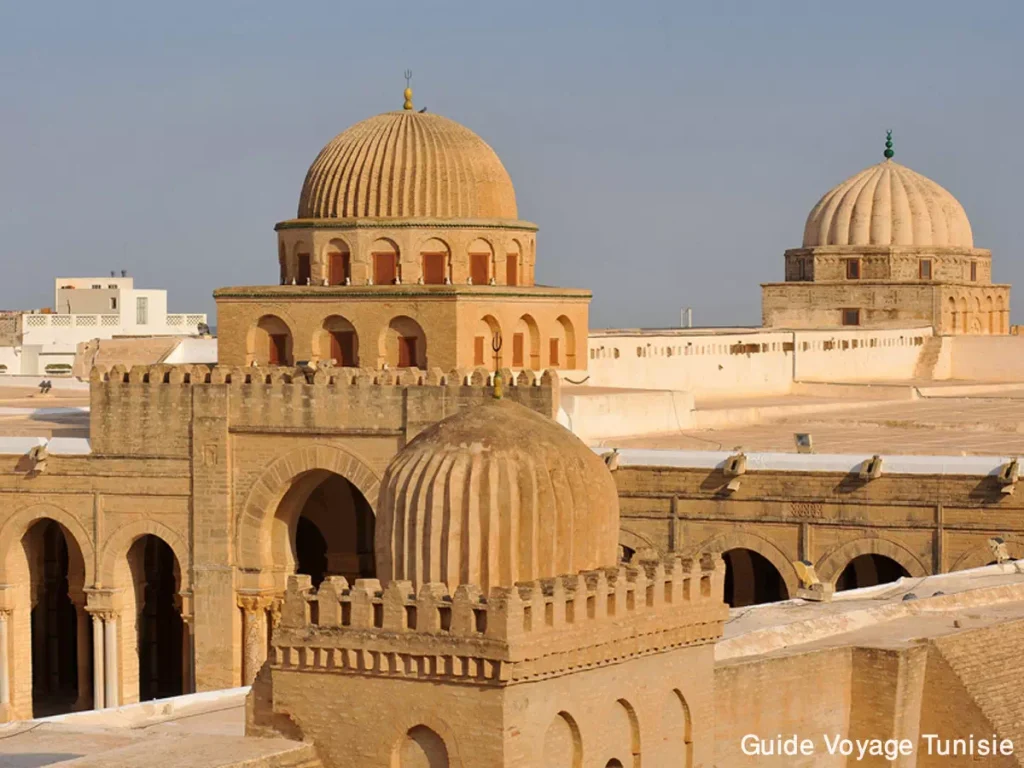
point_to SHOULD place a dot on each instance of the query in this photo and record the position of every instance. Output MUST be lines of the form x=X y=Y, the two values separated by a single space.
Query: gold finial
x=408 y=90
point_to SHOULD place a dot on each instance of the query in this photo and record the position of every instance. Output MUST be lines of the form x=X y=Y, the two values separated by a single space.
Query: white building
x=86 y=308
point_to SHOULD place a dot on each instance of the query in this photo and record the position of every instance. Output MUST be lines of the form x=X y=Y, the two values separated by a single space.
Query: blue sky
x=669 y=151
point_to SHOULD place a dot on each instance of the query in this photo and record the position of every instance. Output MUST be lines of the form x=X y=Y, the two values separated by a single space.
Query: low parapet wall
x=515 y=634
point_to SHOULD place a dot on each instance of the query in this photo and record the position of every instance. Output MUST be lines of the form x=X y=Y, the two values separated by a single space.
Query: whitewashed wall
x=737 y=363
x=698 y=361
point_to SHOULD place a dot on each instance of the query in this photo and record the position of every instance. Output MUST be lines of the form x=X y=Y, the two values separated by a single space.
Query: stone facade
x=580 y=670
x=885 y=248
x=924 y=524
x=218 y=464
x=453 y=326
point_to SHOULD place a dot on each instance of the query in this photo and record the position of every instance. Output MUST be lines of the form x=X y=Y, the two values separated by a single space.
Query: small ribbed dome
x=888 y=204
x=494 y=495
x=404 y=165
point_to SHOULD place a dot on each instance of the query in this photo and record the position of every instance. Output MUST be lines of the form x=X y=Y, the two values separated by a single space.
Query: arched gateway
x=311 y=511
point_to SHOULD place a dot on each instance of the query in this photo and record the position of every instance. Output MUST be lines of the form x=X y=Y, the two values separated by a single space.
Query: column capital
x=105 y=615
x=252 y=602
x=98 y=600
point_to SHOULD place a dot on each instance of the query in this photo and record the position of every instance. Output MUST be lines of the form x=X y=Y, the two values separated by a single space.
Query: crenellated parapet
x=532 y=631
x=146 y=410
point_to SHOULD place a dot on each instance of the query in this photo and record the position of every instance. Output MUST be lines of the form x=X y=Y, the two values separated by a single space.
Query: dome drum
x=434 y=251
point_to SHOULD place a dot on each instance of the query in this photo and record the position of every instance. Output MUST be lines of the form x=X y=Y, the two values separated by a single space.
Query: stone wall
x=447 y=319
x=927 y=523
x=576 y=670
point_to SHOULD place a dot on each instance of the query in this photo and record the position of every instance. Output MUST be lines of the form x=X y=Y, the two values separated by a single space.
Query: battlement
x=321 y=375
x=531 y=631
x=147 y=410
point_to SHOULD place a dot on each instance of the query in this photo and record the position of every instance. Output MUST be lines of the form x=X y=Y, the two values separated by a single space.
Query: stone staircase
x=928 y=357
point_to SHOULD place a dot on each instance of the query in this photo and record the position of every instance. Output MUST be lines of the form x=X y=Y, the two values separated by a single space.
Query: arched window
x=270 y=342
x=480 y=257
x=526 y=344
x=568 y=338
x=513 y=264
x=385 y=262
x=339 y=262
x=483 y=342
x=403 y=344
x=338 y=341
x=304 y=270
x=434 y=258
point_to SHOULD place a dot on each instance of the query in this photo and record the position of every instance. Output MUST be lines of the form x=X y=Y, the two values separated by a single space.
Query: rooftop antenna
x=408 y=90
x=888 y=146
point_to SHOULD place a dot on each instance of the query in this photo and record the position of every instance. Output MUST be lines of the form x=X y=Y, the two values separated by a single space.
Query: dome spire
x=888 y=144
x=408 y=90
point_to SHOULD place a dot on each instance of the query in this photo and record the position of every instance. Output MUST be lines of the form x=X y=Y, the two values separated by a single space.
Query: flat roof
x=929 y=419
x=890 y=615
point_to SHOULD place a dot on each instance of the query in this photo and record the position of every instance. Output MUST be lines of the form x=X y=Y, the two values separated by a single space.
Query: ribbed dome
x=407 y=164
x=888 y=204
x=494 y=495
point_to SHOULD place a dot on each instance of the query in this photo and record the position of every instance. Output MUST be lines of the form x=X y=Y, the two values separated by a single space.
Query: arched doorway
x=54 y=619
x=421 y=748
x=330 y=528
x=160 y=632
x=869 y=570
x=751 y=579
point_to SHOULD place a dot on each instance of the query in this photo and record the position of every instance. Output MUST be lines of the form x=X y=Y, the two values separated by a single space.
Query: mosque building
x=430 y=519
x=408 y=222
x=888 y=248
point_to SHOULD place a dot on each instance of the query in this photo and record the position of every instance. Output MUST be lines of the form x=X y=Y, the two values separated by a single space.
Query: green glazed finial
x=888 y=146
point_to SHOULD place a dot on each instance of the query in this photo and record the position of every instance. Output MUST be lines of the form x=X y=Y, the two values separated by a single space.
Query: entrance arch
x=751 y=579
x=329 y=526
x=269 y=522
x=831 y=566
x=153 y=603
x=46 y=561
x=869 y=571
x=55 y=573
x=779 y=566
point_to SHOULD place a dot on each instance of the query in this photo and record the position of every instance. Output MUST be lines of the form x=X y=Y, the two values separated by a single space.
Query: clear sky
x=669 y=151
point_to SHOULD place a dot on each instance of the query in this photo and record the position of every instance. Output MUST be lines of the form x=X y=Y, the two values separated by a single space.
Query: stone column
x=82 y=653
x=188 y=669
x=111 y=693
x=5 y=665
x=254 y=634
x=97 y=662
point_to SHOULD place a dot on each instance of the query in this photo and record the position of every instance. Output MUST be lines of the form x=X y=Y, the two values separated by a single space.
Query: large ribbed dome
x=888 y=204
x=494 y=495
x=407 y=164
